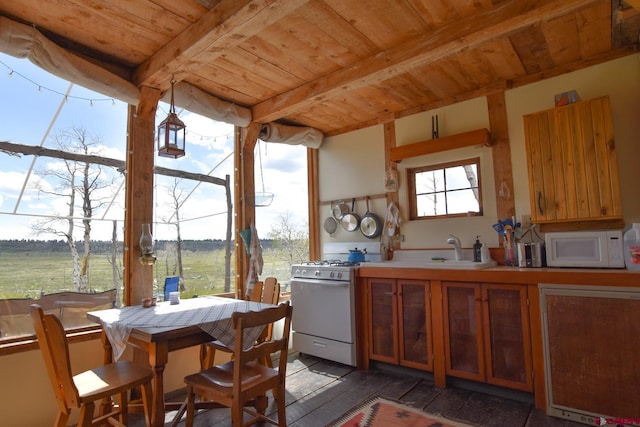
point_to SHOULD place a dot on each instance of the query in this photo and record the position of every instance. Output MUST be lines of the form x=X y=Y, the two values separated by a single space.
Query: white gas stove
x=322 y=295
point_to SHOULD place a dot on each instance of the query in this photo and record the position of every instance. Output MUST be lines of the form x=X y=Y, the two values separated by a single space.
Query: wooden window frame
x=411 y=188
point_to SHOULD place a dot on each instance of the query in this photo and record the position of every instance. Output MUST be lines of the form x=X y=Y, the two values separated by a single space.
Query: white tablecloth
x=211 y=314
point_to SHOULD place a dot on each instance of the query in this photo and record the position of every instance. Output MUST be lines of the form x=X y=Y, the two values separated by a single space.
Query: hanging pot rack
x=357 y=199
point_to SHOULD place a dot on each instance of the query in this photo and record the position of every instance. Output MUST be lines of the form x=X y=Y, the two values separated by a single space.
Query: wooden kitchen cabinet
x=487 y=334
x=572 y=162
x=399 y=322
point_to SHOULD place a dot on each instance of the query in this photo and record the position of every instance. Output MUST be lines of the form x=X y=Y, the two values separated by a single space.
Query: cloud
x=12 y=180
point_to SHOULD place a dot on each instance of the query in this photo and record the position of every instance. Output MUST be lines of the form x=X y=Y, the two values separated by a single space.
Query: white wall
x=352 y=165
x=26 y=396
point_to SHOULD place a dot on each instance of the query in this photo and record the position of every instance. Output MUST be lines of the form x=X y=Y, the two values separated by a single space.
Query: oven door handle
x=316 y=282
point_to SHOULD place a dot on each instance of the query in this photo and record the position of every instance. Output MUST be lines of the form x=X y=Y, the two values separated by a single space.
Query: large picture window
x=445 y=190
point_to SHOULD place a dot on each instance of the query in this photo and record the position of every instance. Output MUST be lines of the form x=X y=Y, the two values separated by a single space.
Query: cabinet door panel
x=543 y=154
x=572 y=135
x=507 y=333
x=606 y=161
x=415 y=328
x=383 y=312
x=572 y=163
x=463 y=336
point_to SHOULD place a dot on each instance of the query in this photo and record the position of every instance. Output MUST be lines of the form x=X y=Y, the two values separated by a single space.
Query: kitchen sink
x=447 y=264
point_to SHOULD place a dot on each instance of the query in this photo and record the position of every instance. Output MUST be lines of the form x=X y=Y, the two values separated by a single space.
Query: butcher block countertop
x=505 y=274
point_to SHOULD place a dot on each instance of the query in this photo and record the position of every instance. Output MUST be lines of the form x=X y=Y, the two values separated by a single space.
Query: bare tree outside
x=470 y=171
x=178 y=196
x=82 y=185
x=290 y=240
x=115 y=261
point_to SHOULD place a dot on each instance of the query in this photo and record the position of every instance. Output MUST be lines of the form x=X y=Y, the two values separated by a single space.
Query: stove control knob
x=339 y=275
x=304 y=272
x=317 y=273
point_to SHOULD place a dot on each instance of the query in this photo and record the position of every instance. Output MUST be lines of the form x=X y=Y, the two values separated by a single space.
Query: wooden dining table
x=167 y=327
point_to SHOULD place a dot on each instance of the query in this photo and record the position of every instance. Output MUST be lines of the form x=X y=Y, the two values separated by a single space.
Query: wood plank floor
x=320 y=391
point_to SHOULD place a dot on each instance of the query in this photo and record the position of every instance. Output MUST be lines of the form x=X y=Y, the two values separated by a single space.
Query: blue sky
x=29 y=115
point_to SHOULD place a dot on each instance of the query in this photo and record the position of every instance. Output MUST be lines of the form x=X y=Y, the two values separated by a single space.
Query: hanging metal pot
x=330 y=224
x=351 y=220
x=371 y=224
x=339 y=210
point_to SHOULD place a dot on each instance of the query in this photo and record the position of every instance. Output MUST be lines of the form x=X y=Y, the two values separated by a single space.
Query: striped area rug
x=382 y=412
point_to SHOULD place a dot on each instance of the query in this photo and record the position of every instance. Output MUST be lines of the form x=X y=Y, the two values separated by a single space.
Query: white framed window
x=445 y=190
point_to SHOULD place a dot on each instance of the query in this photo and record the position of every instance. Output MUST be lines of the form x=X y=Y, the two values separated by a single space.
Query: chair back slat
x=270 y=295
x=55 y=351
x=271 y=291
x=256 y=292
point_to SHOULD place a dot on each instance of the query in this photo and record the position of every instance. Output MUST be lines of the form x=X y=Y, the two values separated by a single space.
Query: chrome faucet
x=453 y=240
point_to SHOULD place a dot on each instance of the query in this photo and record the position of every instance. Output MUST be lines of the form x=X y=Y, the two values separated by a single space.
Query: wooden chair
x=83 y=390
x=244 y=378
x=266 y=292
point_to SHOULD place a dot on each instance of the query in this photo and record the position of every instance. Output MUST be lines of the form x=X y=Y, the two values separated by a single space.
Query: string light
x=40 y=87
x=194 y=135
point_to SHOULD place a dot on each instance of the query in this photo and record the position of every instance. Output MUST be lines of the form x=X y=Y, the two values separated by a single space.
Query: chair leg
x=191 y=407
x=282 y=413
x=269 y=363
x=147 y=402
x=203 y=355
x=207 y=356
x=86 y=414
x=237 y=413
x=124 y=408
x=261 y=403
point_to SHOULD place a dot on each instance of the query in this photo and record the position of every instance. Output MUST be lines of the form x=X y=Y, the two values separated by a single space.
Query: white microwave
x=591 y=249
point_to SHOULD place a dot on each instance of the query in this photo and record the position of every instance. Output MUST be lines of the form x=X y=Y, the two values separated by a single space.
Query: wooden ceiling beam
x=225 y=26
x=499 y=86
x=450 y=40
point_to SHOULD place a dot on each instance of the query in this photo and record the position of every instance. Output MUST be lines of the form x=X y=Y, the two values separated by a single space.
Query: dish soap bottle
x=477 y=250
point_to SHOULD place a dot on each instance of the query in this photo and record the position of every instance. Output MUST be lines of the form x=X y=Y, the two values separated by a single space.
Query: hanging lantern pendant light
x=171 y=133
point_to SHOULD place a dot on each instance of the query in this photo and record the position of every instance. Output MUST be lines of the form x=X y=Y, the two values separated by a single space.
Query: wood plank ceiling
x=337 y=65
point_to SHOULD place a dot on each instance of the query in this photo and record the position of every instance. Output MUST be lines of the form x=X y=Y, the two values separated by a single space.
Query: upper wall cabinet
x=573 y=167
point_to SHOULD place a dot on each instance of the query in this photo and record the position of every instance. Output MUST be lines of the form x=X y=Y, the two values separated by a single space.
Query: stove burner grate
x=332 y=263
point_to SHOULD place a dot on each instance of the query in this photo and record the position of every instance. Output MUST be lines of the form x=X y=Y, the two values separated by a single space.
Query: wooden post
x=389 y=143
x=244 y=197
x=138 y=278
x=501 y=150
x=315 y=253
